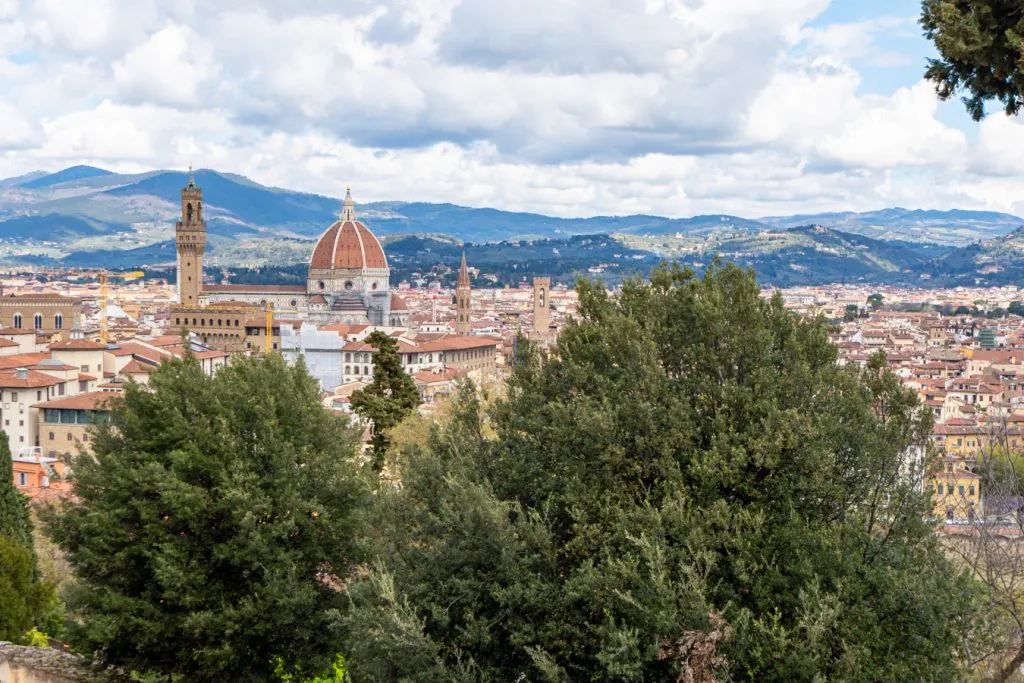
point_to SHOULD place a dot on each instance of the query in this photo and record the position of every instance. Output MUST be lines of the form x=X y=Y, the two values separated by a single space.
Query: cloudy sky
x=566 y=107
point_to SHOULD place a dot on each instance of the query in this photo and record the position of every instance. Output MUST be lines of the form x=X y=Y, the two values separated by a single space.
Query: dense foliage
x=212 y=523
x=691 y=487
x=391 y=396
x=981 y=51
x=24 y=599
x=15 y=521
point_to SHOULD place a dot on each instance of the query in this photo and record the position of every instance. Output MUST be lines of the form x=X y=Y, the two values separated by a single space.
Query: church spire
x=463 y=300
x=464 y=273
x=348 y=207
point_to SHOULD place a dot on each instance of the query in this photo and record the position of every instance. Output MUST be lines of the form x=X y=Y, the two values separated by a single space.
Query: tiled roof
x=77 y=345
x=93 y=400
x=255 y=289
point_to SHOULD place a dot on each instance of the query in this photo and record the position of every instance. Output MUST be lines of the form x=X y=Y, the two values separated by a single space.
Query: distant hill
x=67 y=175
x=954 y=227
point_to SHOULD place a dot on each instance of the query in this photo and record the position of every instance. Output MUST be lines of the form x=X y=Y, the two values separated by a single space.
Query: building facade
x=43 y=313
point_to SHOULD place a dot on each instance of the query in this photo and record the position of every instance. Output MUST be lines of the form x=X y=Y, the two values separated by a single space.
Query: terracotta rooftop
x=255 y=289
x=77 y=345
x=93 y=400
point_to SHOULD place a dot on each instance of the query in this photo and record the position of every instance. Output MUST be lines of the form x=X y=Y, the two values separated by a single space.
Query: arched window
x=220 y=323
x=17 y=321
x=189 y=212
x=348 y=370
x=37 y=321
x=199 y=211
x=58 y=322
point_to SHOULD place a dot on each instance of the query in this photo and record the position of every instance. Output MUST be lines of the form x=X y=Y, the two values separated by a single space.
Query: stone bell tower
x=463 y=298
x=541 y=310
x=190 y=237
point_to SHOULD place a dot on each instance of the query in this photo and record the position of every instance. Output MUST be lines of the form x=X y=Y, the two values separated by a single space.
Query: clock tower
x=190 y=238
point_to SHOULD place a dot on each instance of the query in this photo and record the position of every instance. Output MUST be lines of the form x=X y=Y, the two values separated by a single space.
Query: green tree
x=24 y=599
x=690 y=487
x=981 y=51
x=213 y=525
x=851 y=312
x=875 y=300
x=15 y=520
x=390 y=398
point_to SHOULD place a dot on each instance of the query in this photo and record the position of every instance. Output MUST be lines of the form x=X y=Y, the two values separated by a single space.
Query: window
x=22 y=479
x=85 y=368
x=21 y=423
x=14 y=396
x=70 y=438
x=38 y=321
x=85 y=437
x=58 y=321
x=961 y=489
x=39 y=396
x=17 y=321
x=177 y=321
x=60 y=389
x=970 y=489
x=949 y=489
x=52 y=437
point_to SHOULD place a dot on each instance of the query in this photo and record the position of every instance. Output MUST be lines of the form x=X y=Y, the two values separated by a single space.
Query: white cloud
x=171 y=67
x=573 y=107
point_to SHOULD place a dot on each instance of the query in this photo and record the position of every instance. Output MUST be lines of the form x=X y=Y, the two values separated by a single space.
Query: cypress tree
x=390 y=398
x=15 y=520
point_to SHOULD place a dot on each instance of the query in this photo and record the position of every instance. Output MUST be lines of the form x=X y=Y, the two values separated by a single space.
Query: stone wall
x=20 y=664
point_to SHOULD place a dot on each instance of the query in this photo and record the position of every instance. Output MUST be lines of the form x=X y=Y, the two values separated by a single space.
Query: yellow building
x=955 y=490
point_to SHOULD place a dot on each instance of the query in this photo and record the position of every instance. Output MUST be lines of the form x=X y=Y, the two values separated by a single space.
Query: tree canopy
x=981 y=51
x=690 y=487
x=211 y=524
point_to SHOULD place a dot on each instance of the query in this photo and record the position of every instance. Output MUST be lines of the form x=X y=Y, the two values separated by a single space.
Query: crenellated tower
x=190 y=237
x=463 y=299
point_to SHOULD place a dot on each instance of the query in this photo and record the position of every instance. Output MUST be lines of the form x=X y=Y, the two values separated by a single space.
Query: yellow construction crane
x=133 y=275
x=104 y=301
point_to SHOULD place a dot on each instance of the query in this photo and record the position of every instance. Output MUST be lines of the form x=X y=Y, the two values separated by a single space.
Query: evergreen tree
x=981 y=51
x=24 y=599
x=390 y=398
x=15 y=521
x=213 y=525
x=690 y=489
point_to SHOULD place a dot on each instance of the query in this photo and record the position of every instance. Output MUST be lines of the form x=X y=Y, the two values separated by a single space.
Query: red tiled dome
x=350 y=245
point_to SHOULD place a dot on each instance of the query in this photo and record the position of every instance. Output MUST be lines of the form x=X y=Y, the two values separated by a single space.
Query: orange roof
x=15 y=331
x=7 y=343
x=30 y=379
x=137 y=368
x=86 y=378
x=77 y=345
x=22 y=360
x=136 y=349
x=256 y=289
x=94 y=400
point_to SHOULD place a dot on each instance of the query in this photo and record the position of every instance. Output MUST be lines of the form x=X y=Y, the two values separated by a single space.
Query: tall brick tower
x=541 y=315
x=190 y=236
x=463 y=297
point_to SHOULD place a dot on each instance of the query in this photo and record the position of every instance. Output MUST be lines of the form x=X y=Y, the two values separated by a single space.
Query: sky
x=562 y=107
